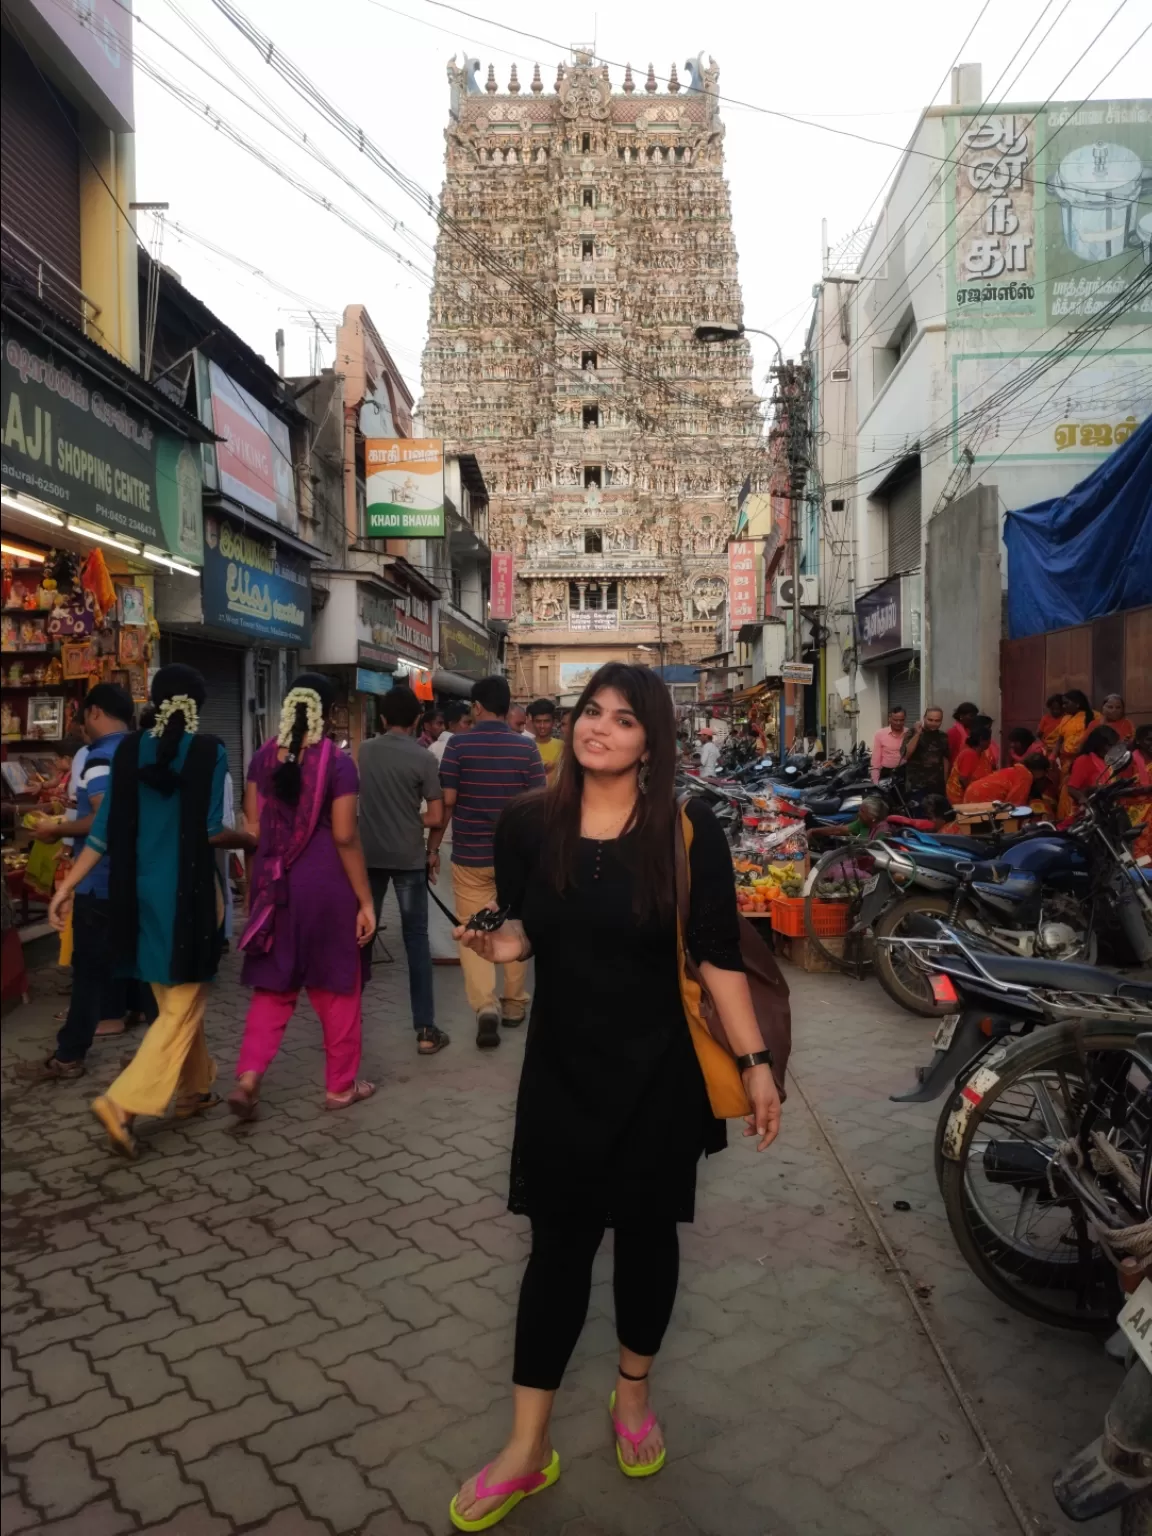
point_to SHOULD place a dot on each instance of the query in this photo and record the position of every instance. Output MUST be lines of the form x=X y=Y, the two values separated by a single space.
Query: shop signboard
x=797 y=672
x=74 y=443
x=370 y=681
x=1051 y=209
x=879 y=623
x=462 y=650
x=98 y=36
x=404 y=480
x=254 y=585
x=254 y=460
x=502 y=602
x=742 y=605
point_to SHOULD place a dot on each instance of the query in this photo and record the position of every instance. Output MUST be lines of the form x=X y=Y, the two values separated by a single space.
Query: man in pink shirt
x=888 y=746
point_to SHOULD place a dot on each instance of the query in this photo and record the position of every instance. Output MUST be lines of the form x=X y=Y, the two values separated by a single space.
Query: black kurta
x=612 y=1114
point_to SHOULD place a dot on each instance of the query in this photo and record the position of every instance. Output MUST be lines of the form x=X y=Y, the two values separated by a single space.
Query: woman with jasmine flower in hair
x=311 y=914
x=159 y=823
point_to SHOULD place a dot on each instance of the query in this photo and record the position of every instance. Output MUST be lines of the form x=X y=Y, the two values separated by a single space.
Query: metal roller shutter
x=222 y=667
x=904 y=689
x=904 y=538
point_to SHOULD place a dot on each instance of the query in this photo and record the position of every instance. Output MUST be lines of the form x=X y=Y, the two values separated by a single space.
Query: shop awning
x=451 y=683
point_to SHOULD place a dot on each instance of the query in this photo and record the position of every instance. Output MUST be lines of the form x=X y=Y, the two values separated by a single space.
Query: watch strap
x=754 y=1059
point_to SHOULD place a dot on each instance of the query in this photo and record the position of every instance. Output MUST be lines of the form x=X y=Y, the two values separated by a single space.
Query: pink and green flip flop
x=511 y=1491
x=637 y=1438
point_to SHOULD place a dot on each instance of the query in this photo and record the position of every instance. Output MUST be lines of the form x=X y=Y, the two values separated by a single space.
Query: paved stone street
x=304 y=1327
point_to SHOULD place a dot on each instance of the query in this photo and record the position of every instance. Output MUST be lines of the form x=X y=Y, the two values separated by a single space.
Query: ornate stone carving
x=614 y=209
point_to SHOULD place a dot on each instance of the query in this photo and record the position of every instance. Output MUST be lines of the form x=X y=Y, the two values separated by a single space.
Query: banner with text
x=255 y=459
x=254 y=585
x=502 y=595
x=742 y=603
x=404 y=479
x=73 y=442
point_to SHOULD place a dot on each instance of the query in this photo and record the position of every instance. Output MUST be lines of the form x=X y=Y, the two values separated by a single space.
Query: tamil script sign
x=502 y=598
x=742 y=604
x=797 y=671
x=404 y=479
x=72 y=442
x=1051 y=212
x=463 y=650
x=254 y=585
x=879 y=625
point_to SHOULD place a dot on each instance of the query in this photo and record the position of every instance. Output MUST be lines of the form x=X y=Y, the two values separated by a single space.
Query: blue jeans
x=412 y=898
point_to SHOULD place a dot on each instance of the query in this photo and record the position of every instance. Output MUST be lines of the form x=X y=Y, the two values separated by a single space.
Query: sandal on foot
x=511 y=1491
x=636 y=1438
x=358 y=1091
x=195 y=1104
x=430 y=1040
x=110 y=1027
x=120 y=1137
x=242 y=1102
x=50 y=1071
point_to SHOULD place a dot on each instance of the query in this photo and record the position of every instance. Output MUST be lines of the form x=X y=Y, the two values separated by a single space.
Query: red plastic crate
x=830 y=917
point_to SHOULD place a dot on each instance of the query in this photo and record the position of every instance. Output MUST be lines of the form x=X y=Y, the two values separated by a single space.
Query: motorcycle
x=1048 y=895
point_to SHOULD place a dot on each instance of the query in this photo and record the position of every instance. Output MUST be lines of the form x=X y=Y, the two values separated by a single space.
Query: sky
x=855 y=73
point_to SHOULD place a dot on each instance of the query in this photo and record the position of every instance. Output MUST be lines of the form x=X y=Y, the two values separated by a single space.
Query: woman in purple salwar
x=311 y=915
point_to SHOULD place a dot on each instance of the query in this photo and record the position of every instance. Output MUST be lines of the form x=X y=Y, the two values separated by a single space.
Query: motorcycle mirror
x=1118 y=756
x=791 y=768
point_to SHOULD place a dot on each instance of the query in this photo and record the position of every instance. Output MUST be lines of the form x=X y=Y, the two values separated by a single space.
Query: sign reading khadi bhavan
x=404 y=479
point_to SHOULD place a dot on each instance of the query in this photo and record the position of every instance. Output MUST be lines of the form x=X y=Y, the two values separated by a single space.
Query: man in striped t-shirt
x=480 y=772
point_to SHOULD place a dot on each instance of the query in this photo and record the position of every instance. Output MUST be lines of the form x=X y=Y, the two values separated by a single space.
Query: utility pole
x=793 y=382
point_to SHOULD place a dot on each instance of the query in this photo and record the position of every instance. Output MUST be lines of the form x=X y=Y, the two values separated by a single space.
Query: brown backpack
x=769 y=999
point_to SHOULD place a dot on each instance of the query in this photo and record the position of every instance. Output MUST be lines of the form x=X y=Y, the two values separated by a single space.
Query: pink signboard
x=502 y=603
x=742 y=583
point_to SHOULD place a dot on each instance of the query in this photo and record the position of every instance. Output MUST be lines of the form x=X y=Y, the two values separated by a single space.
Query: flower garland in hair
x=178 y=704
x=311 y=701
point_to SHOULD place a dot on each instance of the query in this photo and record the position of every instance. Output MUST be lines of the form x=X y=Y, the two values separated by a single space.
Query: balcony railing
x=50 y=284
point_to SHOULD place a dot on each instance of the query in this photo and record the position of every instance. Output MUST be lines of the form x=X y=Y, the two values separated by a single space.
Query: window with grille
x=593 y=476
x=593 y=541
x=591 y=415
x=588 y=361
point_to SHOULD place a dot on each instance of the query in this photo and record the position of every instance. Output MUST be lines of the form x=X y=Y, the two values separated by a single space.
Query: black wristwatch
x=754 y=1059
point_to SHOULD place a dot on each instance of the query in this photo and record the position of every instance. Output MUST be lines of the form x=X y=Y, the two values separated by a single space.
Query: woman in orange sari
x=1048 y=729
x=1140 y=806
x=1079 y=719
x=1089 y=770
x=1116 y=716
x=974 y=761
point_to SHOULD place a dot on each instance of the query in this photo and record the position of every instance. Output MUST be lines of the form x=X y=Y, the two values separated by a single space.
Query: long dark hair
x=980 y=732
x=167 y=684
x=1099 y=741
x=653 y=818
x=286 y=781
x=1081 y=704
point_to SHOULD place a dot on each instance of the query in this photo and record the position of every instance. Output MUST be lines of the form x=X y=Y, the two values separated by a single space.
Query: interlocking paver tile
x=58 y=1480
x=149 y=1482
x=307 y=1327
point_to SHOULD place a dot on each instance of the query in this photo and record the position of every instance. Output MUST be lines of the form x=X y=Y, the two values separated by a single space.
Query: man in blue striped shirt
x=480 y=772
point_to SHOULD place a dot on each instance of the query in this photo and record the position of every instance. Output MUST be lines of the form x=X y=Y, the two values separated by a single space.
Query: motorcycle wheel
x=1024 y=1244
x=840 y=868
x=902 y=982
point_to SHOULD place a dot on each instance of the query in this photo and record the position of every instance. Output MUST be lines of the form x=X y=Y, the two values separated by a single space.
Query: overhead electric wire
x=300 y=82
x=889 y=309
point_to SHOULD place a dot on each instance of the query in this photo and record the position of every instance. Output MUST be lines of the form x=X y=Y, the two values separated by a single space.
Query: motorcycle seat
x=1063 y=976
x=823 y=807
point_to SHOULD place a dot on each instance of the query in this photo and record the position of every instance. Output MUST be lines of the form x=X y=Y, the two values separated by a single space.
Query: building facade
x=999 y=340
x=587 y=231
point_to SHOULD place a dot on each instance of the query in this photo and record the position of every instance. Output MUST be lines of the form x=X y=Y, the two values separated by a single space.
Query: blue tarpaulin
x=1080 y=556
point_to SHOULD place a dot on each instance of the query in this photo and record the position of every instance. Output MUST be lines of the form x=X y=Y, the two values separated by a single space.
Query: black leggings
x=557 y=1284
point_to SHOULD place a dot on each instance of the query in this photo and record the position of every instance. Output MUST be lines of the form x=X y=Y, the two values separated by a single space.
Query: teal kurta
x=157 y=857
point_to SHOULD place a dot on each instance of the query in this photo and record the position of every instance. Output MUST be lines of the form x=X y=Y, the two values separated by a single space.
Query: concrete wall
x=962 y=604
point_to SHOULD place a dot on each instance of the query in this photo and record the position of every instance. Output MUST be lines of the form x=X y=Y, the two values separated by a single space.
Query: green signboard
x=85 y=450
x=1049 y=212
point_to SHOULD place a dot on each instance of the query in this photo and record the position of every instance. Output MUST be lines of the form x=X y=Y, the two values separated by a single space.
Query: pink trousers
x=268 y=1015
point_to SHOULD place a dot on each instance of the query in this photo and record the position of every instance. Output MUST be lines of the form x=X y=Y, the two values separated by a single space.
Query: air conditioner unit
x=809 y=591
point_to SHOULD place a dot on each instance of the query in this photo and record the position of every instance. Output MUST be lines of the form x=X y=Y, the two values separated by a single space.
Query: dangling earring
x=642 y=777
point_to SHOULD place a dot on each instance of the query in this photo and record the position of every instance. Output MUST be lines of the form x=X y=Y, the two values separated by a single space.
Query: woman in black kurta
x=612 y=1113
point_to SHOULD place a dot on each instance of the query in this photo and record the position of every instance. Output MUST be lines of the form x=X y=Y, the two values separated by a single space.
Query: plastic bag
x=40 y=871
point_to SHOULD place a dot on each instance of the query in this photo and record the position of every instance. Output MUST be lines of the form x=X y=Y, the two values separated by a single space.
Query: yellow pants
x=476 y=888
x=173 y=1056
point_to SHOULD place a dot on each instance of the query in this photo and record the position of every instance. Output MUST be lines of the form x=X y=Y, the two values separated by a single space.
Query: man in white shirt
x=457 y=718
x=709 y=754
